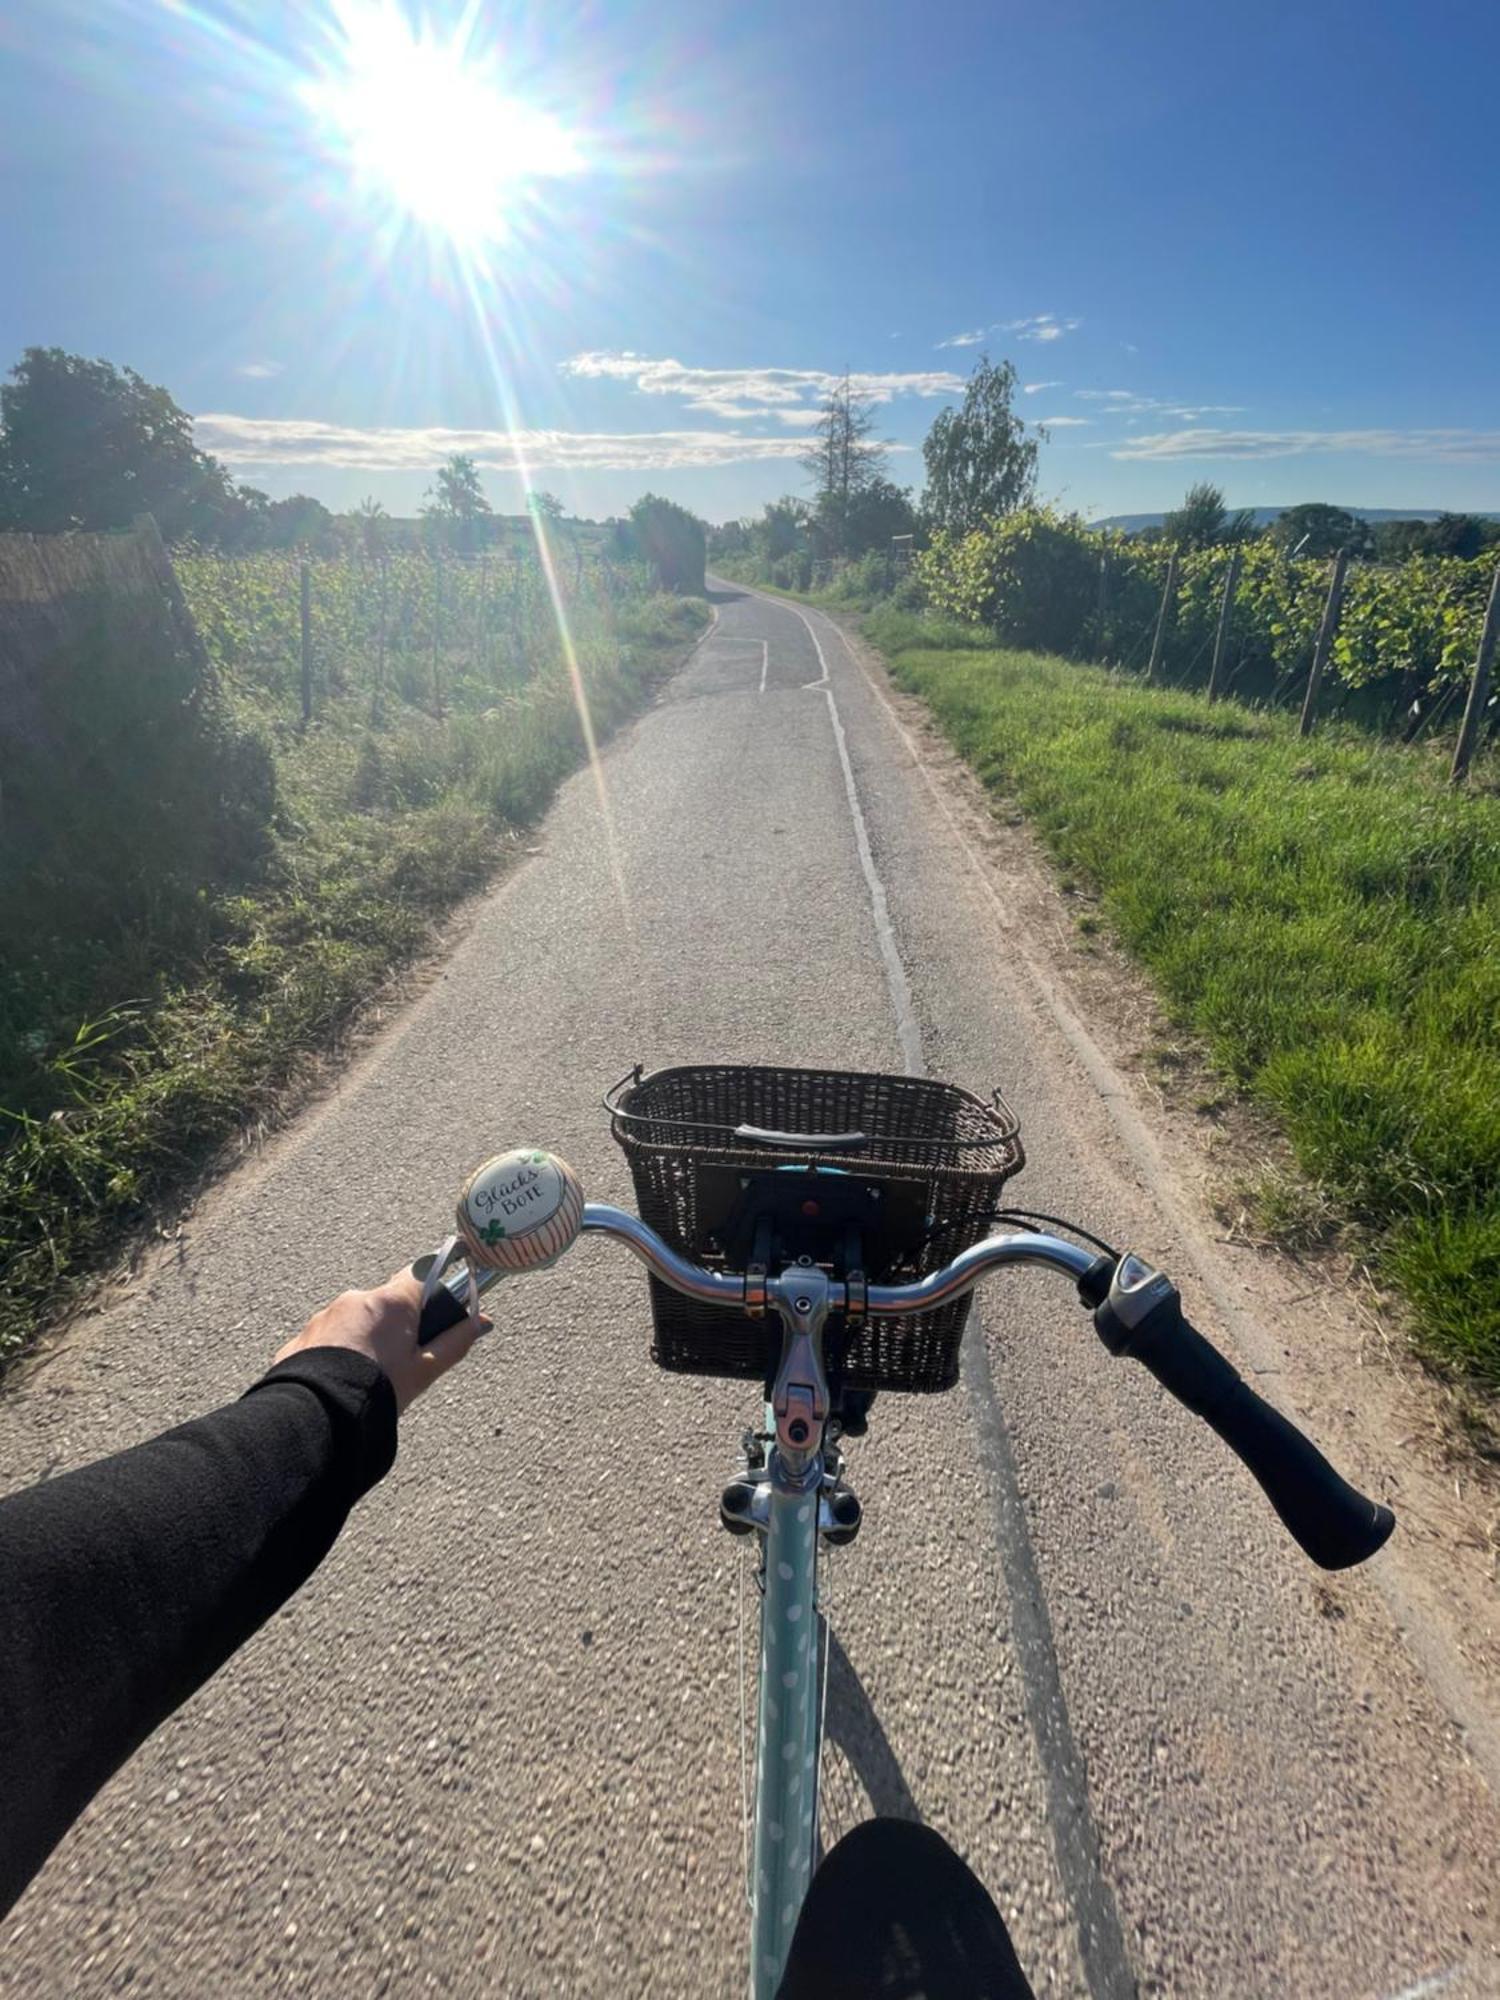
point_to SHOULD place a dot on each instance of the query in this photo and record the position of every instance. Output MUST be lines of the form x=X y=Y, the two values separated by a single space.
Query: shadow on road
x=854 y=1729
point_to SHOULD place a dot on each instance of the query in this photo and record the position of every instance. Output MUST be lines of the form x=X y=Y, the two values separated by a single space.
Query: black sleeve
x=124 y=1585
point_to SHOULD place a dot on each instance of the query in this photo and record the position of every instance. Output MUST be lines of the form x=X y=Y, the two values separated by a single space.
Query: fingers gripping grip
x=1332 y=1522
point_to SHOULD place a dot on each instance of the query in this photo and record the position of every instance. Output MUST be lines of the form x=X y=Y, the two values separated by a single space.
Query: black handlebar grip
x=441 y=1311
x=1331 y=1521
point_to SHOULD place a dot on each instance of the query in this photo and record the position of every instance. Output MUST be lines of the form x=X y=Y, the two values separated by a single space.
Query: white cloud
x=1040 y=326
x=293 y=441
x=1063 y=423
x=1470 y=446
x=1126 y=403
x=260 y=371
x=965 y=339
x=793 y=395
x=1035 y=388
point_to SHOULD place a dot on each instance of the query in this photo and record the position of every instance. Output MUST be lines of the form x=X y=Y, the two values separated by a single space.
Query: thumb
x=453 y=1343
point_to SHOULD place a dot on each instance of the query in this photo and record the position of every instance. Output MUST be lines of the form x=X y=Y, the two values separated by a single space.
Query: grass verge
x=1324 y=914
x=128 y=1058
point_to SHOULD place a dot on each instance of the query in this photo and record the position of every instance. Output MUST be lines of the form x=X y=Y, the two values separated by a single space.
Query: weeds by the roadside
x=127 y=1056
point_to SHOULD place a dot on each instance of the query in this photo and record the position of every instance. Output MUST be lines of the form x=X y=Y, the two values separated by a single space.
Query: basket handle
x=803 y=1142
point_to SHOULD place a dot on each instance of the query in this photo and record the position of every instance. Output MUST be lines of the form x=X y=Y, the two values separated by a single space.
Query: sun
x=427 y=126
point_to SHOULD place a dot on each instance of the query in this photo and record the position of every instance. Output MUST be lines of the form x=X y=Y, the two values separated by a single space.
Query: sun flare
x=426 y=125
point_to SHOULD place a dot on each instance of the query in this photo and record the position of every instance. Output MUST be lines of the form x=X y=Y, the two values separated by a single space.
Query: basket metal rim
x=1007 y=1130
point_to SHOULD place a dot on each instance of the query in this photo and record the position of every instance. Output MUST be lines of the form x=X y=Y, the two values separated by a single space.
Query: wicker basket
x=932 y=1152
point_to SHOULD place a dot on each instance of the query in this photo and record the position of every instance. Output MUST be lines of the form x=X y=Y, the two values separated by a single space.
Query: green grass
x=130 y=1053
x=1324 y=914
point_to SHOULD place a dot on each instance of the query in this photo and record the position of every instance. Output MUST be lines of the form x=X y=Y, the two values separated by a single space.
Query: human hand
x=382 y=1324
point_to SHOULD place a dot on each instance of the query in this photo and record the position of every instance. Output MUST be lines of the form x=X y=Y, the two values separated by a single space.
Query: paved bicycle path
x=492 y=1747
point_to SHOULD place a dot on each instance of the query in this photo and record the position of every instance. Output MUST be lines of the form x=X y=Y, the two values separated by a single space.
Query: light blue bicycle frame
x=789 y=1707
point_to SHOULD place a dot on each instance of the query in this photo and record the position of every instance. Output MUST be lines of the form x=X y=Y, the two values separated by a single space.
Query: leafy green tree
x=981 y=462
x=672 y=541
x=1316 y=529
x=1462 y=535
x=299 y=522
x=730 y=538
x=782 y=528
x=84 y=444
x=457 y=511
x=873 y=515
x=1204 y=522
x=544 y=506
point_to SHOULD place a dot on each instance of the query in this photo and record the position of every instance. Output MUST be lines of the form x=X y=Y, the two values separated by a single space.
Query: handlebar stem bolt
x=802 y=1305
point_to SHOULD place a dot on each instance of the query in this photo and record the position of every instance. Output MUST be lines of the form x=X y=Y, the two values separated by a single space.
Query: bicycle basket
x=932 y=1153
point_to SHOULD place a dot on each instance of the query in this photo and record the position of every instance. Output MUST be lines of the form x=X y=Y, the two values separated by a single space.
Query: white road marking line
x=907 y=1032
x=1426 y=1989
x=765 y=662
x=1075 y=1838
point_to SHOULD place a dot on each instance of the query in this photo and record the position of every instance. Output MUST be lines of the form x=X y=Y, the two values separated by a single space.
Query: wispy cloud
x=792 y=395
x=260 y=371
x=1126 y=403
x=291 y=441
x=1466 y=446
x=1040 y=326
x=1036 y=388
x=1063 y=423
x=965 y=339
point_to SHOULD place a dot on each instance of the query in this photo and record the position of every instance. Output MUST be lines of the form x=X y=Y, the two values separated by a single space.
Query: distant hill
x=1264 y=516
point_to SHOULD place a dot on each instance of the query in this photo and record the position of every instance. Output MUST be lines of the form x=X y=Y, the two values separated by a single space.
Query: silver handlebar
x=882 y=1301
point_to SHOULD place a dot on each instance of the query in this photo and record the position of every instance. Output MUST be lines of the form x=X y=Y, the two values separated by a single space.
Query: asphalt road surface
x=494 y=1745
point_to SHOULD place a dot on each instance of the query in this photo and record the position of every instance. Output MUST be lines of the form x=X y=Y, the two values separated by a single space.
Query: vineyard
x=409 y=628
x=366 y=738
x=1404 y=650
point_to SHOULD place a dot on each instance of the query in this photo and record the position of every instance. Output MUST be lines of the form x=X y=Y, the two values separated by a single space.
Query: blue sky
x=1256 y=245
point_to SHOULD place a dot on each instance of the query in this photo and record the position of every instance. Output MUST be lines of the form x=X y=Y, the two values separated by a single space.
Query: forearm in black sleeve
x=124 y=1585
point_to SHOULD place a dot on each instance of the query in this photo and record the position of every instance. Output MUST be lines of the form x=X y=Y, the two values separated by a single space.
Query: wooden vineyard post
x=1326 y=634
x=378 y=705
x=437 y=630
x=1479 y=687
x=1164 y=613
x=1221 y=637
x=304 y=582
x=1101 y=607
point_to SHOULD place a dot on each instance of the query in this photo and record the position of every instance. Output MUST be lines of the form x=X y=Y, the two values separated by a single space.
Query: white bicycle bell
x=518 y=1212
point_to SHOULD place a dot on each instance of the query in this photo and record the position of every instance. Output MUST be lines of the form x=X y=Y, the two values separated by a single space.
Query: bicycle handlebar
x=1137 y=1313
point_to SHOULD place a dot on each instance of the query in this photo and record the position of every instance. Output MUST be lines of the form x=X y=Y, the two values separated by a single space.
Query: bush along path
x=1324 y=914
x=215 y=943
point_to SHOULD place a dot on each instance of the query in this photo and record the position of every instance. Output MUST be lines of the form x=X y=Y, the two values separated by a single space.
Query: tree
x=1316 y=529
x=544 y=506
x=782 y=528
x=371 y=525
x=456 y=507
x=876 y=513
x=1463 y=535
x=299 y=522
x=980 y=461
x=846 y=459
x=1203 y=521
x=84 y=444
x=673 y=541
